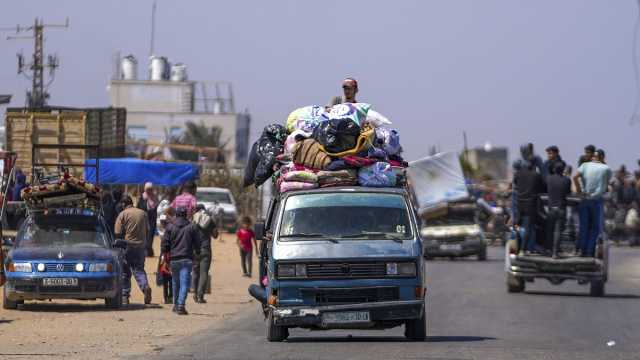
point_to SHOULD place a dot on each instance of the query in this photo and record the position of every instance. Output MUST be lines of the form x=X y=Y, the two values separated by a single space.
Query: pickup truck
x=521 y=269
x=342 y=258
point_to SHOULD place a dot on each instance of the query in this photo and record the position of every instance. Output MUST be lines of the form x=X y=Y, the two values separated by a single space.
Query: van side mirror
x=7 y=242
x=258 y=229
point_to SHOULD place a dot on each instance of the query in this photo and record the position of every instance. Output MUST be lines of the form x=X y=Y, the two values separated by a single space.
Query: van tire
x=482 y=254
x=596 y=288
x=514 y=284
x=416 y=330
x=275 y=333
x=6 y=303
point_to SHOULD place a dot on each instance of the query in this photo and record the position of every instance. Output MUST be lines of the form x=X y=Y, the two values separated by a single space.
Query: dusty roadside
x=81 y=330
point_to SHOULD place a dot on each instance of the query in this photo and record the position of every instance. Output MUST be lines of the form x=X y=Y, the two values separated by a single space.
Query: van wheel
x=6 y=303
x=482 y=255
x=596 y=288
x=416 y=330
x=275 y=333
x=514 y=284
x=114 y=302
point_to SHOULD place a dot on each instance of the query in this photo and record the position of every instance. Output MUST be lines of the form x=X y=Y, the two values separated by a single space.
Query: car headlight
x=292 y=270
x=401 y=269
x=100 y=267
x=19 y=267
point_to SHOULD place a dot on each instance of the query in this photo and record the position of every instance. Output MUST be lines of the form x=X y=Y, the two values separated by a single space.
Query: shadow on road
x=5 y=321
x=576 y=294
x=365 y=339
x=45 y=307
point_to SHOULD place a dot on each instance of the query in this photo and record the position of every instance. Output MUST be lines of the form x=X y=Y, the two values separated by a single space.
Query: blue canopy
x=124 y=171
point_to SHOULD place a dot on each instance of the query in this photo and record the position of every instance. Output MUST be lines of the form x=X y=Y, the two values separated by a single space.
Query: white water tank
x=158 y=68
x=179 y=72
x=129 y=68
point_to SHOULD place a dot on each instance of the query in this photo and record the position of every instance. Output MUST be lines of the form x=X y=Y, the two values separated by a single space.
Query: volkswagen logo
x=60 y=267
x=345 y=268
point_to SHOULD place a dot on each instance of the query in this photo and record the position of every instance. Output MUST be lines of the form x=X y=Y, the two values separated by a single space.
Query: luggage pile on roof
x=346 y=144
x=67 y=190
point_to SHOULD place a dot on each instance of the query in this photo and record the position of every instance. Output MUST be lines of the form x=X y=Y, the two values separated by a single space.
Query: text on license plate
x=450 y=247
x=345 y=317
x=60 y=282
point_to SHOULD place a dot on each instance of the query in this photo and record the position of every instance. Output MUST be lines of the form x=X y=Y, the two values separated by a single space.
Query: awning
x=129 y=171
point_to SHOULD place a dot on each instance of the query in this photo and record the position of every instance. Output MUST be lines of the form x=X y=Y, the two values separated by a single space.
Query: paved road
x=471 y=316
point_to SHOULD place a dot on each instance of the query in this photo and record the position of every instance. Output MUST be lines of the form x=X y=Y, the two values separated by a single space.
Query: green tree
x=200 y=135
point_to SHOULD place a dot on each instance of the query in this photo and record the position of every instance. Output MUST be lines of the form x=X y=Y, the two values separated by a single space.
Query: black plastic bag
x=263 y=155
x=337 y=135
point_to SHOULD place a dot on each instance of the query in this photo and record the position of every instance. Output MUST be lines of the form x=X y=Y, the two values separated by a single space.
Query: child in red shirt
x=244 y=238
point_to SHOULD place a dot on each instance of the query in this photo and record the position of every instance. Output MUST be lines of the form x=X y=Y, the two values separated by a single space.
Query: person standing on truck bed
x=529 y=185
x=558 y=188
x=553 y=157
x=589 y=150
x=132 y=226
x=592 y=181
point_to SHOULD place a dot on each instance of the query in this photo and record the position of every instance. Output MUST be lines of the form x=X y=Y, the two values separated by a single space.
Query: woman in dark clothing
x=148 y=202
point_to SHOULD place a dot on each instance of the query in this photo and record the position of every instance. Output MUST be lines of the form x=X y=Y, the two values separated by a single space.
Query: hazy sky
x=506 y=71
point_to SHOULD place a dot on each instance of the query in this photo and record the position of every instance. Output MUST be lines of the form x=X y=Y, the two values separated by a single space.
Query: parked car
x=454 y=232
x=63 y=253
x=342 y=258
x=220 y=203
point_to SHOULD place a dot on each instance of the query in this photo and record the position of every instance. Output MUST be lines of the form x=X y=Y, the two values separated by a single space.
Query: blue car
x=63 y=254
x=342 y=258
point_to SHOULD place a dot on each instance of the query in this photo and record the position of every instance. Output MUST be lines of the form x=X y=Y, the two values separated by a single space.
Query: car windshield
x=220 y=197
x=453 y=219
x=346 y=215
x=61 y=230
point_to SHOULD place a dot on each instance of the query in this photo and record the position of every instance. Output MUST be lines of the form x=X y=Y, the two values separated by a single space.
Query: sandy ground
x=85 y=329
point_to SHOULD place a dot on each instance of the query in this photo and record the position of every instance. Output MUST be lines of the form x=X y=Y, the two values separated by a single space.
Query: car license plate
x=451 y=247
x=60 y=282
x=346 y=317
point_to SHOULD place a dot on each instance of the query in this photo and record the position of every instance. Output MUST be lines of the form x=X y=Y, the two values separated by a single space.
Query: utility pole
x=37 y=97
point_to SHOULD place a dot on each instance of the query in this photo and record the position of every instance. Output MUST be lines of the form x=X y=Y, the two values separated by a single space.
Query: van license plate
x=456 y=247
x=346 y=317
x=60 y=282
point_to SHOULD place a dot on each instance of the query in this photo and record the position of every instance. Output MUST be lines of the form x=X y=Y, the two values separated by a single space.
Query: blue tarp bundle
x=124 y=171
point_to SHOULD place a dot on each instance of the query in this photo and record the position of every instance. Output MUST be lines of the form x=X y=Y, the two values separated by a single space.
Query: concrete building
x=159 y=108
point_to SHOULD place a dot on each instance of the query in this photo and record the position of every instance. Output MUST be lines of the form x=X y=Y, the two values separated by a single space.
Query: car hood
x=80 y=254
x=322 y=249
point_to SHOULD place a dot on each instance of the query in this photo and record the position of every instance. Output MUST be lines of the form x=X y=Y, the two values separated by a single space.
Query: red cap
x=350 y=82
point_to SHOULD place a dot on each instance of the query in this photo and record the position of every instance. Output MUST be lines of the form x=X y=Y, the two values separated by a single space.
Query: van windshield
x=62 y=231
x=346 y=216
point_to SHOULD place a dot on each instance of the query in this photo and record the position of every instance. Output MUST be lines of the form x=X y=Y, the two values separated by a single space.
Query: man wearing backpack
x=207 y=227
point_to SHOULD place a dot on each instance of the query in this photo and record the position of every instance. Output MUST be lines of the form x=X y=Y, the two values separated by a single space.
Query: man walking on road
x=592 y=181
x=207 y=228
x=132 y=226
x=187 y=199
x=181 y=240
x=148 y=202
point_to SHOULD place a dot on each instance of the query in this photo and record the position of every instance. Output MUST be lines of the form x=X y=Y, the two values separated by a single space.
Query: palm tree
x=199 y=135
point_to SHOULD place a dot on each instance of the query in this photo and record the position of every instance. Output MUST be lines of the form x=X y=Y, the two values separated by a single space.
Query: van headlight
x=292 y=270
x=401 y=269
x=19 y=267
x=100 y=267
